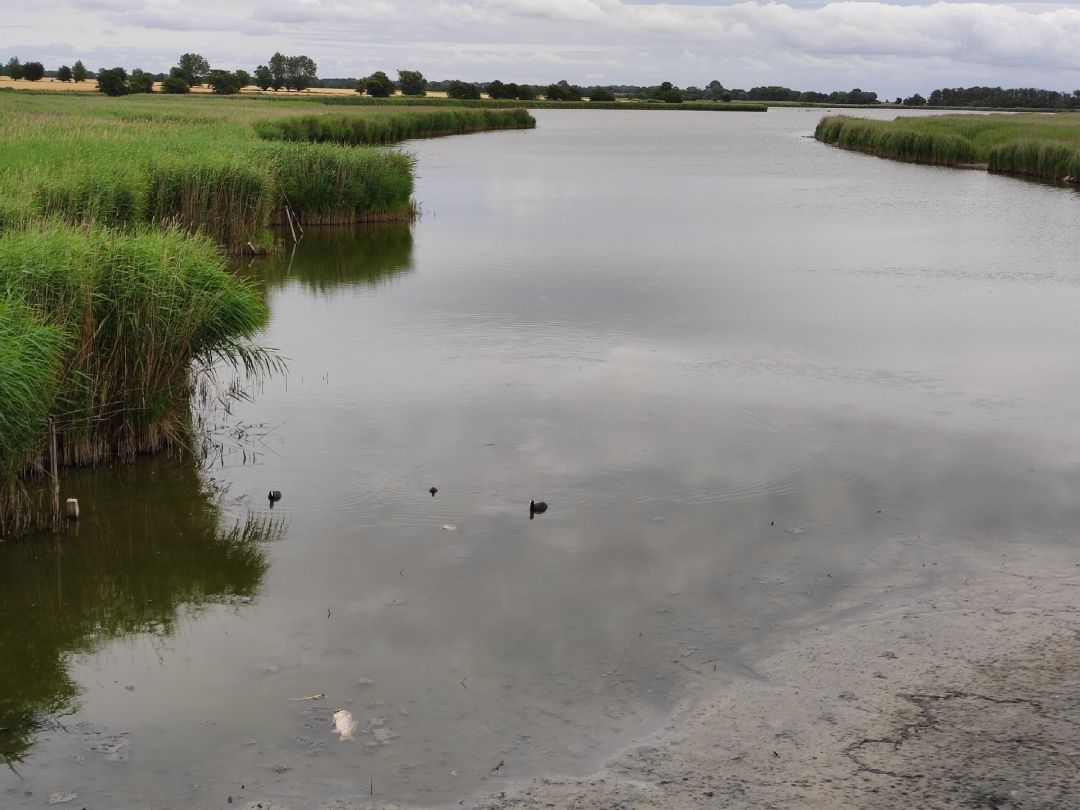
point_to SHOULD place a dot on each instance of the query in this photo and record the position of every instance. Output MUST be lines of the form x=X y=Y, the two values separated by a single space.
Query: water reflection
x=153 y=542
x=329 y=258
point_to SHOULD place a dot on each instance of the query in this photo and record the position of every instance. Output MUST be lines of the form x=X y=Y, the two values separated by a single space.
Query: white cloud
x=896 y=48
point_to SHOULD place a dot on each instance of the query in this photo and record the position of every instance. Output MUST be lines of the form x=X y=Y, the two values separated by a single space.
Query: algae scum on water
x=115 y=220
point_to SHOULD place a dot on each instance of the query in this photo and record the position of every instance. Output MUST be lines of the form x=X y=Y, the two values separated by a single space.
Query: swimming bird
x=433 y=490
x=537 y=508
x=274 y=496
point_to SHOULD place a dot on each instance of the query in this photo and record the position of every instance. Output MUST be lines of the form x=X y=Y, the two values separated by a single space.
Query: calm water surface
x=746 y=370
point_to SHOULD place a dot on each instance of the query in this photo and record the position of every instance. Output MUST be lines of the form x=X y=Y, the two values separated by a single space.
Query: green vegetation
x=115 y=305
x=109 y=333
x=192 y=68
x=355 y=129
x=412 y=83
x=1046 y=147
x=378 y=85
x=291 y=72
x=1013 y=98
x=194 y=161
x=30 y=352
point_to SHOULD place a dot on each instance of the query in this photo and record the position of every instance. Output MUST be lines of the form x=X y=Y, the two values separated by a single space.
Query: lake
x=745 y=370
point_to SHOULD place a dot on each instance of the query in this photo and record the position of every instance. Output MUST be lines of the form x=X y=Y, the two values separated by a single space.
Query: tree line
x=193 y=70
x=300 y=72
x=35 y=71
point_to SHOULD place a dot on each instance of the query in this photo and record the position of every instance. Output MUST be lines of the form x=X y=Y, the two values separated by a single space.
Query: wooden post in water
x=52 y=469
x=72 y=508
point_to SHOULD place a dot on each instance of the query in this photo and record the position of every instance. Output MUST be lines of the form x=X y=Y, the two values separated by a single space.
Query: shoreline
x=962 y=696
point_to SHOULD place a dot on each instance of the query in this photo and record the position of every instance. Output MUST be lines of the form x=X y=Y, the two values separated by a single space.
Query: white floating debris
x=449 y=527
x=62 y=797
x=345 y=724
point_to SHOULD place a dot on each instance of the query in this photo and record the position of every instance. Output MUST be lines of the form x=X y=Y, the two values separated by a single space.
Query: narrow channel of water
x=744 y=369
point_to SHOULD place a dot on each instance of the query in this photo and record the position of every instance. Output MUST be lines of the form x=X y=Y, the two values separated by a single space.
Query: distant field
x=1042 y=145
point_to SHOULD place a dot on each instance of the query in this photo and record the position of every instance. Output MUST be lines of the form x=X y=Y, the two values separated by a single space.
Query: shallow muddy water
x=744 y=369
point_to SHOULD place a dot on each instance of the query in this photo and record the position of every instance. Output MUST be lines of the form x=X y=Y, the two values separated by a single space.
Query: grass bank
x=205 y=163
x=110 y=335
x=356 y=130
x=1046 y=147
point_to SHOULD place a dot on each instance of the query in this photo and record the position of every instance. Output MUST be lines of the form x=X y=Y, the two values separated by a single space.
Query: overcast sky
x=893 y=48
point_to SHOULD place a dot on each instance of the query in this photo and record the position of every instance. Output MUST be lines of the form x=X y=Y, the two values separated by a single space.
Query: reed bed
x=1041 y=146
x=388 y=129
x=199 y=163
x=326 y=184
x=30 y=354
x=109 y=333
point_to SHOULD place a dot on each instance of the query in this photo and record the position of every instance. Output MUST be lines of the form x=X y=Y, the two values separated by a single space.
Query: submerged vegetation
x=1040 y=146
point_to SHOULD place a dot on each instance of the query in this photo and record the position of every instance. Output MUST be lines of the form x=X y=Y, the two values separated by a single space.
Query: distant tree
x=600 y=94
x=223 y=82
x=300 y=72
x=692 y=92
x=191 y=68
x=855 y=96
x=277 y=70
x=63 y=73
x=412 y=83
x=79 y=72
x=14 y=68
x=526 y=92
x=113 y=82
x=243 y=77
x=497 y=89
x=378 y=85
x=915 y=101
x=263 y=79
x=175 y=86
x=141 y=82
x=562 y=91
x=33 y=71
x=714 y=91
x=666 y=92
x=460 y=89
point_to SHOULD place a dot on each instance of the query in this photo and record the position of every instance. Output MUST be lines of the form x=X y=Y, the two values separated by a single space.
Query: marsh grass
x=357 y=129
x=1042 y=146
x=109 y=333
x=30 y=371
x=326 y=184
x=199 y=164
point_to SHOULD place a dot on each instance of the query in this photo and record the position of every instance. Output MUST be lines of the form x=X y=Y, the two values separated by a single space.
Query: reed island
x=1041 y=146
